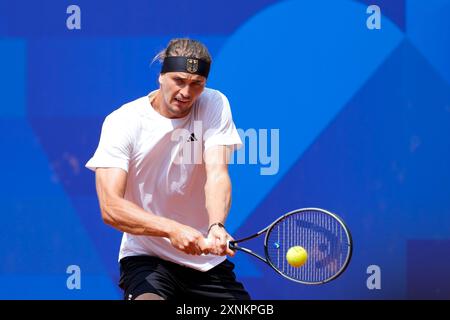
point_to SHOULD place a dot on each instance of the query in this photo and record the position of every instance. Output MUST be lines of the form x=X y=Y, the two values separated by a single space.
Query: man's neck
x=156 y=101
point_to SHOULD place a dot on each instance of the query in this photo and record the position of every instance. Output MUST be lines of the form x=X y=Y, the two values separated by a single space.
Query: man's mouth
x=182 y=100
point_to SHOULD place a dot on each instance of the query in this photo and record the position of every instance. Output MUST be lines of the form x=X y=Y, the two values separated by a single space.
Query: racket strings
x=324 y=238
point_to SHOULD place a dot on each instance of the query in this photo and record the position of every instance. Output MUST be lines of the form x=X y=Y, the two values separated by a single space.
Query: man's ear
x=160 y=78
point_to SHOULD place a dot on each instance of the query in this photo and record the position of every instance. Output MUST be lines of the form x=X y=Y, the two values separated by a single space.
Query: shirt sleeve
x=220 y=128
x=116 y=144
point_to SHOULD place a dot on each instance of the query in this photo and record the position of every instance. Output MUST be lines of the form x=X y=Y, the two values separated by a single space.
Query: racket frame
x=266 y=230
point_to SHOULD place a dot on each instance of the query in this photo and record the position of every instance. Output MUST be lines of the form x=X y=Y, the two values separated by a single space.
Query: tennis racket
x=324 y=236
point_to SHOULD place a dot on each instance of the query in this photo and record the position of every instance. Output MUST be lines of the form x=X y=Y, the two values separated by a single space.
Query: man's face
x=179 y=91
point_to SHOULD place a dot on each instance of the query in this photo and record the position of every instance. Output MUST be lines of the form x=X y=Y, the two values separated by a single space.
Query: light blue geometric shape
x=54 y=287
x=12 y=77
x=41 y=232
x=428 y=28
x=293 y=67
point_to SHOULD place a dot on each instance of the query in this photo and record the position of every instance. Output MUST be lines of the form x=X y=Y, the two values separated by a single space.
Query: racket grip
x=232 y=245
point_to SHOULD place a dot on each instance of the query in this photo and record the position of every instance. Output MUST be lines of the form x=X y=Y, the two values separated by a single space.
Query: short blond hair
x=184 y=47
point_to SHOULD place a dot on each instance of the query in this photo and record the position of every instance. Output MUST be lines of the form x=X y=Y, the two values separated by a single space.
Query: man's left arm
x=218 y=197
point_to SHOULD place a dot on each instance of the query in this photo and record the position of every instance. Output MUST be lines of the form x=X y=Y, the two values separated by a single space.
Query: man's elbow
x=107 y=214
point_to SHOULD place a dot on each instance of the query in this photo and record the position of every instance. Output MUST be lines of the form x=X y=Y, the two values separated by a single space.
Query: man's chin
x=179 y=112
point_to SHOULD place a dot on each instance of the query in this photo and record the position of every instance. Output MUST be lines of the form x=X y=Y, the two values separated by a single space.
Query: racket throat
x=235 y=247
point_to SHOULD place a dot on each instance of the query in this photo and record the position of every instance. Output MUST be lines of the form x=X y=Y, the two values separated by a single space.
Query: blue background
x=364 y=120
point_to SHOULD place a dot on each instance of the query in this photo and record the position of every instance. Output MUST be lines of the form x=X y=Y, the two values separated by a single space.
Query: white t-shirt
x=166 y=171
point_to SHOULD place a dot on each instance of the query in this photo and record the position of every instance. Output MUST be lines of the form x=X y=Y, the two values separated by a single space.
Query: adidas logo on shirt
x=192 y=138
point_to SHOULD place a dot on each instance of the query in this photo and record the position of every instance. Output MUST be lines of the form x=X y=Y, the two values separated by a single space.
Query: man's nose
x=186 y=92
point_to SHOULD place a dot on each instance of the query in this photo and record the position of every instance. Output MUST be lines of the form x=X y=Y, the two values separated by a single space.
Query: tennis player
x=161 y=170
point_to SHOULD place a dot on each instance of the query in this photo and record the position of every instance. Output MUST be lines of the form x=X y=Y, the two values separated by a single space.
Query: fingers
x=204 y=245
x=190 y=248
x=198 y=246
x=223 y=243
x=211 y=245
x=230 y=251
x=219 y=241
x=208 y=246
x=190 y=241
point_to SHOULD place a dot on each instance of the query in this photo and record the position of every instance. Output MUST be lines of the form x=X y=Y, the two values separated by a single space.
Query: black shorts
x=147 y=274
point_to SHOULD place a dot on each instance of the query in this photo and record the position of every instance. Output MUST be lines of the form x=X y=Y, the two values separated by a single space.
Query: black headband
x=186 y=64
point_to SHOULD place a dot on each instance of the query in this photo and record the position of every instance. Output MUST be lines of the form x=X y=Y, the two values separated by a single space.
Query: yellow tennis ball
x=296 y=256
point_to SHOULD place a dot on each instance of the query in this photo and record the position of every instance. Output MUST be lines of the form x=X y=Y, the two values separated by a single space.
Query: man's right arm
x=127 y=217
